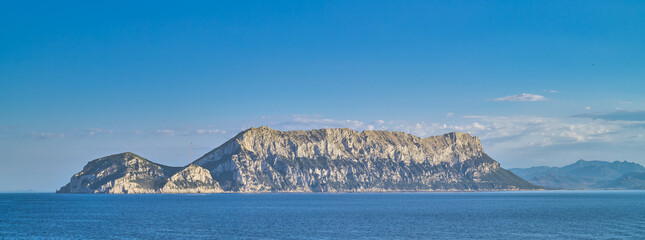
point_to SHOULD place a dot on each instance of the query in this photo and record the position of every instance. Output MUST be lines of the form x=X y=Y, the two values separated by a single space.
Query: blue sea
x=469 y=215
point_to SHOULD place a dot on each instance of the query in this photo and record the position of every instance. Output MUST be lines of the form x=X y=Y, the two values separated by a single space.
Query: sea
x=446 y=215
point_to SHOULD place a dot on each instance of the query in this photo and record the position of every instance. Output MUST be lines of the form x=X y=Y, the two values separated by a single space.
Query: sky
x=539 y=82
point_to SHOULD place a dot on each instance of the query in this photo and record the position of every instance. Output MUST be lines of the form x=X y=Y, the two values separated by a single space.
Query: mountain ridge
x=584 y=174
x=321 y=160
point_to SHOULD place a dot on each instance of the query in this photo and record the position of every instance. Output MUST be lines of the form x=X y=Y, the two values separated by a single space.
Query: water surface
x=486 y=215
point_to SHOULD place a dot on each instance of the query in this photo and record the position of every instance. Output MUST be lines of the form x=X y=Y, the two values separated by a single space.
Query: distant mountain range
x=586 y=175
x=324 y=160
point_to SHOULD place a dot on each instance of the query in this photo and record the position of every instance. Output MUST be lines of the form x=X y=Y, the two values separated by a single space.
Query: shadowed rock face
x=325 y=160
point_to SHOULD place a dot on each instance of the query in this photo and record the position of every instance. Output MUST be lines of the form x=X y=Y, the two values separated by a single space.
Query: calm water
x=498 y=215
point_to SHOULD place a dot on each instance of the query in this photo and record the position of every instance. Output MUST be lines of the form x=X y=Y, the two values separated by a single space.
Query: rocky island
x=325 y=160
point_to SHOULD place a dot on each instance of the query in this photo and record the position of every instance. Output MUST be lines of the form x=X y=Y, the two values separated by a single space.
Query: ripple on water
x=501 y=215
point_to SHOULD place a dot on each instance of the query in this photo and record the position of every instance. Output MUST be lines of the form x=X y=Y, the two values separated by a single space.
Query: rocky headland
x=325 y=160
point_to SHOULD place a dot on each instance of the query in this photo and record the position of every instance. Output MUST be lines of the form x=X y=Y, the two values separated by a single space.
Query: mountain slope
x=325 y=160
x=128 y=173
x=632 y=180
x=580 y=175
x=333 y=160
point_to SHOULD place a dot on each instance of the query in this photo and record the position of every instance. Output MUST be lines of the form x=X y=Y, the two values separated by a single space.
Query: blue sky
x=540 y=82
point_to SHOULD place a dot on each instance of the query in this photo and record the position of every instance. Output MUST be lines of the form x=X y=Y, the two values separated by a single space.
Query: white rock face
x=325 y=160
x=346 y=143
x=130 y=173
x=263 y=159
x=192 y=179
x=120 y=173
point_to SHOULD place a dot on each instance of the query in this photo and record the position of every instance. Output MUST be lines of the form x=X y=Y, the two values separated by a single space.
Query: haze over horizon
x=540 y=83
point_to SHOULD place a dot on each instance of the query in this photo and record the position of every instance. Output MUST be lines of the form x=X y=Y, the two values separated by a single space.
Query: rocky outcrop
x=192 y=179
x=130 y=173
x=325 y=160
x=342 y=160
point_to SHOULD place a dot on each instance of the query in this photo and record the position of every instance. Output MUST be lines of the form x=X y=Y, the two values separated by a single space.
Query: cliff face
x=130 y=173
x=191 y=179
x=325 y=160
x=333 y=160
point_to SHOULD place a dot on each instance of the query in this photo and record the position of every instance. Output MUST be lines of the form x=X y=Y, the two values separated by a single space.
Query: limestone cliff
x=130 y=173
x=341 y=160
x=192 y=179
x=325 y=160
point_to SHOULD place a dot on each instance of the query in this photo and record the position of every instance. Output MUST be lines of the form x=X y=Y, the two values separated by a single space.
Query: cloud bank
x=524 y=97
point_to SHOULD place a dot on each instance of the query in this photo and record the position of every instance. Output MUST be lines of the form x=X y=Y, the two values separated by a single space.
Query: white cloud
x=478 y=126
x=210 y=131
x=450 y=114
x=553 y=91
x=47 y=135
x=524 y=97
x=188 y=131
x=168 y=132
x=304 y=122
x=587 y=108
x=93 y=131
x=527 y=131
